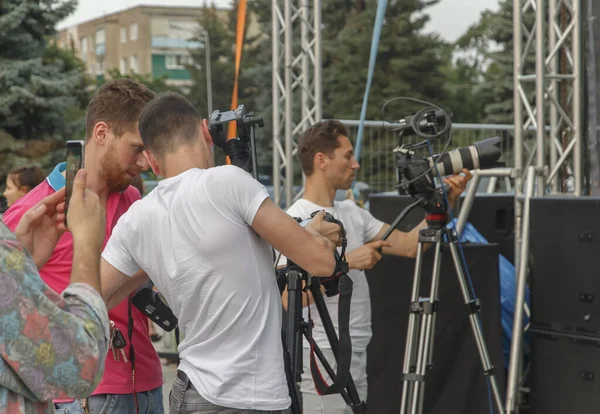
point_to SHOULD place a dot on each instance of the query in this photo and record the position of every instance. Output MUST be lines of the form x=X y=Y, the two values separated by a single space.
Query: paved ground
x=169 y=372
x=166 y=344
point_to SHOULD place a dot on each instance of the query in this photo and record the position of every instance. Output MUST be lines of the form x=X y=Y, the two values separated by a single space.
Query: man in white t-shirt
x=327 y=159
x=204 y=238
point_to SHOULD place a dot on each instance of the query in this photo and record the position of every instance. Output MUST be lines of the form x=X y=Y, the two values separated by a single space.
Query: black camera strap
x=131 y=350
x=342 y=349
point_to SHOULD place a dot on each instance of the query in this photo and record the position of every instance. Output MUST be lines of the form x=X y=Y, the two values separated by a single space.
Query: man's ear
x=100 y=132
x=320 y=160
x=152 y=162
x=206 y=133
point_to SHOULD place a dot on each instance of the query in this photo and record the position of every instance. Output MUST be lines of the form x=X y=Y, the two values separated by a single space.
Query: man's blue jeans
x=149 y=402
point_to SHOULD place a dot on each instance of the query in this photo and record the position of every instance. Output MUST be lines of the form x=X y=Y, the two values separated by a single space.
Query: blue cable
x=463 y=260
x=381 y=7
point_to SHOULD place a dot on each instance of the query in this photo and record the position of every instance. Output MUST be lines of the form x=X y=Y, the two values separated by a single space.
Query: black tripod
x=341 y=348
x=418 y=353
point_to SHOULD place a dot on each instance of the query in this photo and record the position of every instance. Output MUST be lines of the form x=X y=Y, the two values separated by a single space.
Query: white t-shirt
x=192 y=236
x=361 y=227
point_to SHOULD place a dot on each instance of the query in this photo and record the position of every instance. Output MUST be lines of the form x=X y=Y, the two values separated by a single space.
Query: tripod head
x=436 y=208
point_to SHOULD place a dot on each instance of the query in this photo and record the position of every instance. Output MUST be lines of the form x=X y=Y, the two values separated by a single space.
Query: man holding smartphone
x=113 y=156
x=41 y=330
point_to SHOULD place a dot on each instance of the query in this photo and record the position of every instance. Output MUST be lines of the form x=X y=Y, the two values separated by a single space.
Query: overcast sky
x=449 y=17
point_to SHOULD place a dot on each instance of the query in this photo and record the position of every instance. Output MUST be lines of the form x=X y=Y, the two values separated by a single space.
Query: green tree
x=74 y=115
x=492 y=40
x=408 y=61
x=222 y=43
x=467 y=59
x=38 y=87
x=220 y=27
x=497 y=85
x=157 y=85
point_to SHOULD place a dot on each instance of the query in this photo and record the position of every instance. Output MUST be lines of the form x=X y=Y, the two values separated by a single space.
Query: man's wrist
x=86 y=264
x=350 y=261
x=325 y=242
x=312 y=231
x=451 y=202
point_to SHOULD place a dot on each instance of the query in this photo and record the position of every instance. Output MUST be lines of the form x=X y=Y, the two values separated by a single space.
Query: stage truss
x=548 y=55
x=296 y=80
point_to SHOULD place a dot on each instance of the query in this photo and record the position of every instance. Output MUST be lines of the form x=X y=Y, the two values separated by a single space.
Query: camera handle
x=399 y=219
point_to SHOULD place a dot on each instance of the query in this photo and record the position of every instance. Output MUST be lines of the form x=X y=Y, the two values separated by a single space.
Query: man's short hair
x=168 y=121
x=117 y=102
x=320 y=137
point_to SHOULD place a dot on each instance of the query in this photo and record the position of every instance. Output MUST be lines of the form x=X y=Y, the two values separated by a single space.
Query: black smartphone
x=75 y=162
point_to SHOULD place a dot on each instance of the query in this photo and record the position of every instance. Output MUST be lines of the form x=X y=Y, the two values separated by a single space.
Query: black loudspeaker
x=565 y=258
x=566 y=374
x=493 y=215
x=456 y=383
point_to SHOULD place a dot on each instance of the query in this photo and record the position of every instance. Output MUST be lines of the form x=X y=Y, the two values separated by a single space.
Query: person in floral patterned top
x=51 y=346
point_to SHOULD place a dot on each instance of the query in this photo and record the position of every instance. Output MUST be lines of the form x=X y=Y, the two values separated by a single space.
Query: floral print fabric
x=51 y=346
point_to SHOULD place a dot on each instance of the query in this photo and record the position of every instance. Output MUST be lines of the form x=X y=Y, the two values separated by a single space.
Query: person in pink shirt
x=132 y=381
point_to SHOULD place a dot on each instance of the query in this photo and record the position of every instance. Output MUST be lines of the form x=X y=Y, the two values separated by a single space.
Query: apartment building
x=149 y=40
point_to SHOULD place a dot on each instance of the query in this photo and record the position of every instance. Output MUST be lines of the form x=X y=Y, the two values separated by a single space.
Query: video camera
x=242 y=149
x=416 y=174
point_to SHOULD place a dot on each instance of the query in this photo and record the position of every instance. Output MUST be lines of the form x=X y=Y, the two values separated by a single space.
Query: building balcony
x=163 y=42
x=160 y=68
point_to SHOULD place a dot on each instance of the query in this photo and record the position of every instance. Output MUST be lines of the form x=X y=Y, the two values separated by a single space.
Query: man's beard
x=116 y=178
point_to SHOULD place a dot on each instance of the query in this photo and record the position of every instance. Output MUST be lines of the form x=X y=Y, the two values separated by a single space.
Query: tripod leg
x=427 y=332
x=294 y=316
x=409 y=351
x=488 y=369
x=292 y=385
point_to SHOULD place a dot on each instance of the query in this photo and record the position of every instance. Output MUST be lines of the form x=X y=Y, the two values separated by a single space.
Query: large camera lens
x=481 y=155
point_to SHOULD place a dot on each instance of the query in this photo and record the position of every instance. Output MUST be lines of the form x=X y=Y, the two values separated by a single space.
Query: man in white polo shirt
x=204 y=237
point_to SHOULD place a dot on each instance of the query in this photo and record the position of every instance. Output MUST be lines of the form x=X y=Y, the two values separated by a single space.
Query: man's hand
x=366 y=256
x=457 y=183
x=86 y=217
x=41 y=227
x=319 y=227
x=86 y=221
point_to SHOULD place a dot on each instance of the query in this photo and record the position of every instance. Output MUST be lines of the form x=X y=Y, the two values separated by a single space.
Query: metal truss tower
x=547 y=101
x=548 y=92
x=296 y=67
